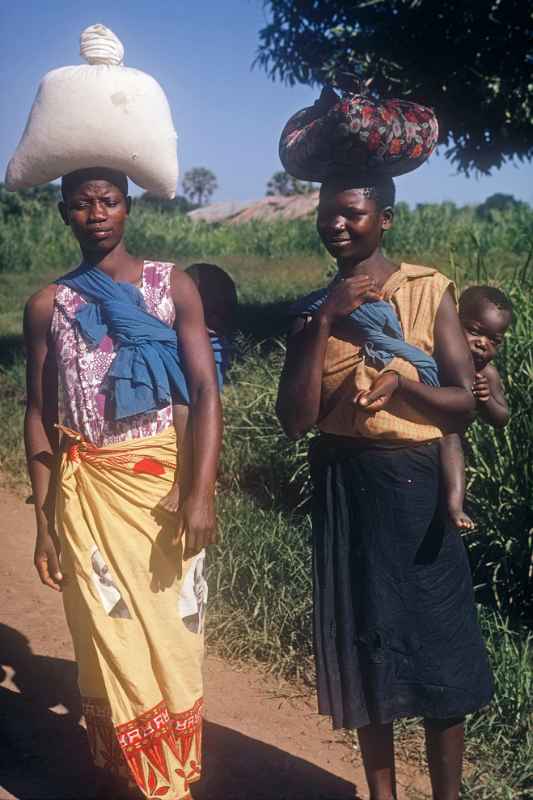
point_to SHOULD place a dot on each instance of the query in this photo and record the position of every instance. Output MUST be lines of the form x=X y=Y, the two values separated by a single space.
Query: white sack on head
x=99 y=114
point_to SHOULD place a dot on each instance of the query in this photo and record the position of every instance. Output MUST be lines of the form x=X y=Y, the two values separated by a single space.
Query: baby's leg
x=180 y=416
x=453 y=470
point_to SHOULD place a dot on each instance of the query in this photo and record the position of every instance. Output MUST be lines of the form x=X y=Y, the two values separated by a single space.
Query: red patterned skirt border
x=148 y=747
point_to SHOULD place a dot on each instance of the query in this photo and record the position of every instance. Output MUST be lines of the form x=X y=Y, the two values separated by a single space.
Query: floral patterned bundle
x=357 y=135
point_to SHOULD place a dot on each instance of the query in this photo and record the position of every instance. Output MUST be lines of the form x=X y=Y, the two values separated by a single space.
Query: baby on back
x=485 y=314
x=219 y=299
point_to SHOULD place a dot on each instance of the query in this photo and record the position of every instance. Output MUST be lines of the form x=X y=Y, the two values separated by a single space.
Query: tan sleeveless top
x=416 y=293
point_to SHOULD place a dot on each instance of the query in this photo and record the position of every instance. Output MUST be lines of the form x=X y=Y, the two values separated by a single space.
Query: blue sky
x=228 y=116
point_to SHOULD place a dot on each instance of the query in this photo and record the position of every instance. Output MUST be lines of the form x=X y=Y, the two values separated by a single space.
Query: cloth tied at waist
x=134 y=455
x=222 y=352
x=378 y=327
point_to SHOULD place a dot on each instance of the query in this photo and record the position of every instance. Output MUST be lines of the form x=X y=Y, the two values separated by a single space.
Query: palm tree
x=283 y=183
x=199 y=183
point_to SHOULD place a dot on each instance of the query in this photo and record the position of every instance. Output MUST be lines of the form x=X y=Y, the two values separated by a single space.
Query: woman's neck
x=375 y=266
x=118 y=264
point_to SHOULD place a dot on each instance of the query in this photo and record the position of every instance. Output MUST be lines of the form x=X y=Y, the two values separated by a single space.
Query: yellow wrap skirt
x=135 y=610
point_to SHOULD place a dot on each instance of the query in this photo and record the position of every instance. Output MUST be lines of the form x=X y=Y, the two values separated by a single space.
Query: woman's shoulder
x=421 y=272
x=168 y=278
x=67 y=300
x=417 y=293
x=157 y=273
x=418 y=278
x=40 y=305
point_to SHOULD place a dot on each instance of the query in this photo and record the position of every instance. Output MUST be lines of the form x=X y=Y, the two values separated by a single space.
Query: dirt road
x=261 y=741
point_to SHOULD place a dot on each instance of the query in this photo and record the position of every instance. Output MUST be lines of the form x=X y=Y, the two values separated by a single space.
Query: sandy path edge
x=262 y=740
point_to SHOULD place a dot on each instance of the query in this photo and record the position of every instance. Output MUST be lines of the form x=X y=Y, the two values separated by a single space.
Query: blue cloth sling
x=147 y=372
x=222 y=352
x=378 y=328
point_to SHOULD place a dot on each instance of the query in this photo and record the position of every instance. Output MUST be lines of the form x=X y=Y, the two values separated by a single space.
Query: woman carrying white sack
x=110 y=346
x=99 y=114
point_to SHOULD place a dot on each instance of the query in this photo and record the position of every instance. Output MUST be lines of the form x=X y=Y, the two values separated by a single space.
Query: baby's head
x=485 y=314
x=219 y=297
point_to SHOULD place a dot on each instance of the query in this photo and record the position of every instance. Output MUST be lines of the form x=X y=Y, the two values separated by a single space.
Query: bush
x=257 y=457
x=33 y=237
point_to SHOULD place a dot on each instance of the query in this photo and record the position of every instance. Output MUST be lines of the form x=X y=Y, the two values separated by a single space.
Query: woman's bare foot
x=462 y=520
x=171 y=501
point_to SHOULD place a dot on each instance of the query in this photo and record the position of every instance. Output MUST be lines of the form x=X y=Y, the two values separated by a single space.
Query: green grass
x=452 y=238
x=12 y=400
x=257 y=456
x=500 y=738
x=260 y=585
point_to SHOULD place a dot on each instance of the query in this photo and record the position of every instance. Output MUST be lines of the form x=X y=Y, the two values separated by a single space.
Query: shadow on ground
x=237 y=767
x=45 y=754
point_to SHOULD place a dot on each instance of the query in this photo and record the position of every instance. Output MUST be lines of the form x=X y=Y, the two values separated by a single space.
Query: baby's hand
x=381 y=391
x=480 y=388
x=171 y=501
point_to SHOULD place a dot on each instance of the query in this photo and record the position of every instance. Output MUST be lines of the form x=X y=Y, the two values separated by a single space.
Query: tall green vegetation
x=500 y=478
x=500 y=738
x=495 y=246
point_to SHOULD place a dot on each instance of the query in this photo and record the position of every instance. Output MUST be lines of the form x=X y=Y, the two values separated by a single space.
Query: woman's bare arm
x=300 y=385
x=40 y=435
x=205 y=413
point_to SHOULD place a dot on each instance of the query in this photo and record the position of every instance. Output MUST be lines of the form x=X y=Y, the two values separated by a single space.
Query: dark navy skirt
x=395 y=626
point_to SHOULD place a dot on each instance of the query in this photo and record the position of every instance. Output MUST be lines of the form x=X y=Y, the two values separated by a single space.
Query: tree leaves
x=471 y=62
x=281 y=183
x=199 y=183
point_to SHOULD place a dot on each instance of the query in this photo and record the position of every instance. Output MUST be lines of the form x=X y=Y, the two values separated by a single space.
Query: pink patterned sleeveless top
x=81 y=368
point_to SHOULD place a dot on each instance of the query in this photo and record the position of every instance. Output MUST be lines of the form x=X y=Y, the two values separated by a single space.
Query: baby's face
x=219 y=320
x=219 y=312
x=484 y=329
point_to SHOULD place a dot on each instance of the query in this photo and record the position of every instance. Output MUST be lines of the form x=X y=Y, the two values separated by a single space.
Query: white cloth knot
x=99 y=45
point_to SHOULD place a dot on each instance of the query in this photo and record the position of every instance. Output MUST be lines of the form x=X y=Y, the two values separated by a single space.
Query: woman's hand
x=347 y=295
x=46 y=560
x=377 y=397
x=199 y=523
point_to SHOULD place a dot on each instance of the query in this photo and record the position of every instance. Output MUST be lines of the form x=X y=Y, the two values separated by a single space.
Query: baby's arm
x=491 y=403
